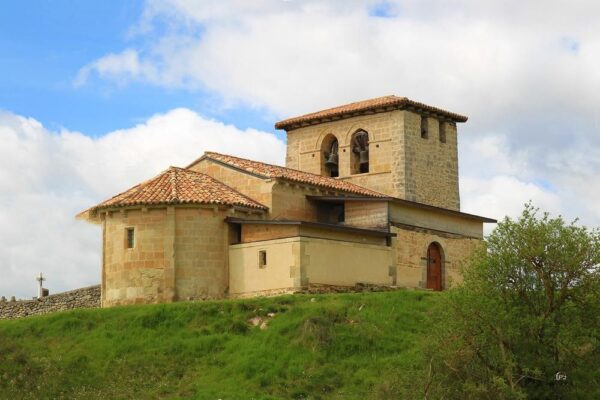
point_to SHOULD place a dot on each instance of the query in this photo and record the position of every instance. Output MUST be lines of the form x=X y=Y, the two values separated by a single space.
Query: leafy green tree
x=526 y=321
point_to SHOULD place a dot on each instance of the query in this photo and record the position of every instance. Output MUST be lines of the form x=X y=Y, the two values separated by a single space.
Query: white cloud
x=496 y=180
x=477 y=57
x=502 y=195
x=121 y=67
x=528 y=77
x=47 y=177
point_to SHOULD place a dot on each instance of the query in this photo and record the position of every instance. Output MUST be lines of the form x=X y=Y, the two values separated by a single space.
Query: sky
x=98 y=96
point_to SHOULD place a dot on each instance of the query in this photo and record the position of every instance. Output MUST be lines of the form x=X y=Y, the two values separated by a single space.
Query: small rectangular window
x=130 y=238
x=442 y=132
x=262 y=258
x=424 y=128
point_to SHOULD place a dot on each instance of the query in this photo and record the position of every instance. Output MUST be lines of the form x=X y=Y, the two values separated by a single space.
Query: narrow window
x=262 y=258
x=442 y=132
x=424 y=128
x=130 y=238
x=235 y=233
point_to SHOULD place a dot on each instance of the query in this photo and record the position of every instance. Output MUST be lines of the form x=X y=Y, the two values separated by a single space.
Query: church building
x=369 y=194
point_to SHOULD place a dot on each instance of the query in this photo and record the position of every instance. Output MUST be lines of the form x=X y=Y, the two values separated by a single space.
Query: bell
x=363 y=157
x=332 y=160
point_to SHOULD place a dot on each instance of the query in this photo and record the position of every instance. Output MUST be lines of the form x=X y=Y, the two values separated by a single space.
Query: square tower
x=389 y=144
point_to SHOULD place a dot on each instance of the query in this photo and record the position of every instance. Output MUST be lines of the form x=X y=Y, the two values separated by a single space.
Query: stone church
x=369 y=194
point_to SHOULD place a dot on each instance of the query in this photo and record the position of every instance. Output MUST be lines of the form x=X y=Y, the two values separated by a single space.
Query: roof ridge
x=177 y=185
x=286 y=173
x=191 y=171
x=174 y=182
x=271 y=165
x=138 y=186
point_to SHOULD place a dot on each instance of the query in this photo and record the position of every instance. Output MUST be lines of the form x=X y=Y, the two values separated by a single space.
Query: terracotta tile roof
x=275 y=171
x=362 y=107
x=179 y=186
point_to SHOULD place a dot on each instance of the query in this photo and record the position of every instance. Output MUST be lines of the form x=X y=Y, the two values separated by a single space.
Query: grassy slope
x=343 y=346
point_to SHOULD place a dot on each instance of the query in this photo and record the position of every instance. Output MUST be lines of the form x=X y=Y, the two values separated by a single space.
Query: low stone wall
x=88 y=297
x=316 y=288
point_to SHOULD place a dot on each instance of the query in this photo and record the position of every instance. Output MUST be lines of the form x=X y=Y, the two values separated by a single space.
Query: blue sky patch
x=44 y=47
x=383 y=10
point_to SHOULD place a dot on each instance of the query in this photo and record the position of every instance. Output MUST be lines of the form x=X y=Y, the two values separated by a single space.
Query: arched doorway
x=434 y=267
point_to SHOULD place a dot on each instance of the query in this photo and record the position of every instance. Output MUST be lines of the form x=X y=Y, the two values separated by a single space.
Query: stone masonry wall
x=410 y=252
x=254 y=187
x=431 y=172
x=88 y=297
x=200 y=253
x=367 y=214
x=401 y=162
x=305 y=148
x=256 y=233
x=144 y=273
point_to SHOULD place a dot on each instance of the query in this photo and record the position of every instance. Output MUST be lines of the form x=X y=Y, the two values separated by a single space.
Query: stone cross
x=40 y=279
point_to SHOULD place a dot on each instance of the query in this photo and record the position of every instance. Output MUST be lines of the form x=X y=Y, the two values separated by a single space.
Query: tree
x=526 y=321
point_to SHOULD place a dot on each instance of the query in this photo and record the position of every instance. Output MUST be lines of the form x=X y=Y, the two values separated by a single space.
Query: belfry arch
x=359 y=154
x=330 y=156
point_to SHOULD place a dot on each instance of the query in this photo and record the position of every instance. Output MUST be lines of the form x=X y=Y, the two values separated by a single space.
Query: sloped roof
x=275 y=171
x=180 y=186
x=362 y=107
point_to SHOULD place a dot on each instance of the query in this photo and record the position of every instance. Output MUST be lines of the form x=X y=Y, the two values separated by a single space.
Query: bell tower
x=389 y=144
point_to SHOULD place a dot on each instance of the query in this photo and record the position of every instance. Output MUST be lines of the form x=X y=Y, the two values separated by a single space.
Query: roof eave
x=93 y=212
x=298 y=122
x=409 y=203
x=371 y=232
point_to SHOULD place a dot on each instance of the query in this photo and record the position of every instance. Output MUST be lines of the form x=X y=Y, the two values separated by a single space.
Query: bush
x=528 y=310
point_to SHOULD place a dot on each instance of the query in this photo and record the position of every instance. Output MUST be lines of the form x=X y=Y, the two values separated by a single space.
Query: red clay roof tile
x=180 y=186
x=361 y=107
x=275 y=171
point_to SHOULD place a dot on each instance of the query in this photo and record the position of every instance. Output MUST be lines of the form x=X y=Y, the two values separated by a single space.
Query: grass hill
x=334 y=346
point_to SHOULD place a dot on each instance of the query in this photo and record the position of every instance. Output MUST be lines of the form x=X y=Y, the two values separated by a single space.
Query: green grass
x=339 y=346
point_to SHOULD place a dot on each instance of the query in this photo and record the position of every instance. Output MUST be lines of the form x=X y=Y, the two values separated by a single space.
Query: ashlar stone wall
x=431 y=171
x=179 y=253
x=87 y=297
x=305 y=148
x=200 y=253
x=367 y=214
x=410 y=255
x=144 y=273
x=256 y=188
x=401 y=162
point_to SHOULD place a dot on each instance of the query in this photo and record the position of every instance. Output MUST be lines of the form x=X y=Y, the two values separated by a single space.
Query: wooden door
x=434 y=267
